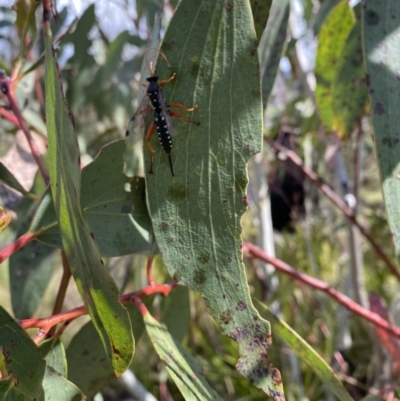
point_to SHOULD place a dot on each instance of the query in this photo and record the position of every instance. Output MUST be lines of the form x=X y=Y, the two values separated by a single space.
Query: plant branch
x=63 y=288
x=16 y=245
x=10 y=117
x=348 y=212
x=348 y=303
x=150 y=280
x=45 y=324
x=7 y=88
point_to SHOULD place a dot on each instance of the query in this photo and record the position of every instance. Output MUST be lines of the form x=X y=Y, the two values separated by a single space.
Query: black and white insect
x=154 y=101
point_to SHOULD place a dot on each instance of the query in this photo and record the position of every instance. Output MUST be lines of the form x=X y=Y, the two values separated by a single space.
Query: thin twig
x=348 y=303
x=62 y=289
x=8 y=89
x=16 y=245
x=10 y=117
x=150 y=280
x=45 y=324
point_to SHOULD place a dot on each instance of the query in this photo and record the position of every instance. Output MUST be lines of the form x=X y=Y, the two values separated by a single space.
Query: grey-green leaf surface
x=197 y=214
x=22 y=358
x=381 y=52
x=271 y=45
x=30 y=270
x=175 y=312
x=306 y=353
x=53 y=352
x=88 y=365
x=182 y=367
x=349 y=89
x=56 y=387
x=118 y=219
x=96 y=287
x=331 y=41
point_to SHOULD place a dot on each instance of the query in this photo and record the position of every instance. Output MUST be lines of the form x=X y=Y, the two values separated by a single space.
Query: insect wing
x=136 y=125
x=165 y=112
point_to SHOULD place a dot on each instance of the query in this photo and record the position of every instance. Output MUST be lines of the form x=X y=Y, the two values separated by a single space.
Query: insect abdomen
x=163 y=132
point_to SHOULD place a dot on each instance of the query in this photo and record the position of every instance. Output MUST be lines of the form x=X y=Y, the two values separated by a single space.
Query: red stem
x=10 y=117
x=46 y=323
x=337 y=201
x=16 y=245
x=7 y=88
x=321 y=286
x=149 y=272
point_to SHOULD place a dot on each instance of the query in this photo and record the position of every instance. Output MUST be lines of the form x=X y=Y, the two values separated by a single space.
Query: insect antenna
x=150 y=64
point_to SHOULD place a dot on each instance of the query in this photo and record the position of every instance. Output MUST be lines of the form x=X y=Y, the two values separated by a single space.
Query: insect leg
x=177 y=115
x=149 y=134
x=181 y=106
x=165 y=81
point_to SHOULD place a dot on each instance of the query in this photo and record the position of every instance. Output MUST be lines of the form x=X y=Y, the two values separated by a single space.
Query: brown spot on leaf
x=276 y=376
x=200 y=276
x=241 y=306
x=178 y=192
x=176 y=277
x=226 y=317
x=229 y=6
x=204 y=257
x=379 y=109
x=371 y=18
x=164 y=226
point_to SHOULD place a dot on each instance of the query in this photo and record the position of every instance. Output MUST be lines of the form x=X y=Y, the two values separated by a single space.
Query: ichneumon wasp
x=154 y=100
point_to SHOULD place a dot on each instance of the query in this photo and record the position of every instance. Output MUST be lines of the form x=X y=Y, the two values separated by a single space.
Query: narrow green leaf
x=22 y=358
x=261 y=12
x=331 y=41
x=118 y=219
x=271 y=45
x=8 y=178
x=197 y=214
x=306 y=353
x=349 y=91
x=183 y=368
x=88 y=365
x=382 y=43
x=97 y=288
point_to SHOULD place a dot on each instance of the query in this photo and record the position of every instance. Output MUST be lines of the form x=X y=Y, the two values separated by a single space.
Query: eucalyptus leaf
x=381 y=52
x=21 y=357
x=197 y=214
x=98 y=290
